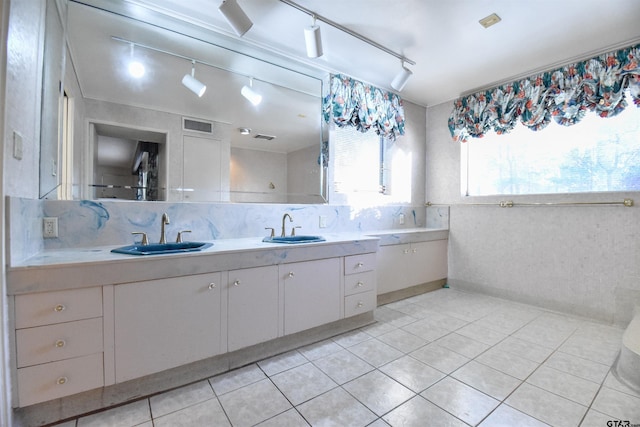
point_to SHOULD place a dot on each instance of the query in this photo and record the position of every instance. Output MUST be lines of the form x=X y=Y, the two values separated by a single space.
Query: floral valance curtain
x=564 y=95
x=353 y=103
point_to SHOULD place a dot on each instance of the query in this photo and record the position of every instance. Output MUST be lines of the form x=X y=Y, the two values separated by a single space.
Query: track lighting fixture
x=313 y=40
x=235 y=16
x=136 y=68
x=312 y=36
x=401 y=79
x=247 y=91
x=190 y=81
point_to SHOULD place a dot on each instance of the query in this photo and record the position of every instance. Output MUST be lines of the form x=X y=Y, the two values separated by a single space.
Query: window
x=597 y=154
x=369 y=169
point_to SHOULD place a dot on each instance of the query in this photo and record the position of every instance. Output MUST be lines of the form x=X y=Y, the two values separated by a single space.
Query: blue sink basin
x=162 y=248
x=294 y=239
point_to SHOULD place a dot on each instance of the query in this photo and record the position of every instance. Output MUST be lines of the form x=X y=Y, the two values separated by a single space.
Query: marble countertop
x=97 y=266
x=409 y=235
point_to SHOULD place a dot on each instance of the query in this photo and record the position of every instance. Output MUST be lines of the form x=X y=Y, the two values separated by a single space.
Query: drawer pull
x=58 y=308
x=62 y=380
x=60 y=343
x=360 y=284
x=359 y=265
x=212 y=285
x=236 y=283
x=291 y=274
x=360 y=304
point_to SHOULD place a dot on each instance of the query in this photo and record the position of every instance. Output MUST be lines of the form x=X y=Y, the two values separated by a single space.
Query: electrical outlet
x=323 y=221
x=50 y=227
x=401 y=219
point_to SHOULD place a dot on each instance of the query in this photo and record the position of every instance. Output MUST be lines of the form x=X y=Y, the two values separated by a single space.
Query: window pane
x=357 y=161
x=597 y=154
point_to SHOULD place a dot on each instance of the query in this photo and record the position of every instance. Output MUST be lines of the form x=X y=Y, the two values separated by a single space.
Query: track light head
x=313 y=40
x=401 y=79
x=247 y=91
x=193 y=84
x=235 y=16
x=136 y=68
x=254 y=97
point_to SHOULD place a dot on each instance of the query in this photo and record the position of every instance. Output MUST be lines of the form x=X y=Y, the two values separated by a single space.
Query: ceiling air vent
x=267 y=137
x=197 y=125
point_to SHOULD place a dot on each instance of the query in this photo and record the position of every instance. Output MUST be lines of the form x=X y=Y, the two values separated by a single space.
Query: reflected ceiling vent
x=195 y=125
x=265 y=137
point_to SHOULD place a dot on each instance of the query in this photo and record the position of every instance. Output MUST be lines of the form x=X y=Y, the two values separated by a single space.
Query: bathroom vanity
x=410 y=261
x=91 y=319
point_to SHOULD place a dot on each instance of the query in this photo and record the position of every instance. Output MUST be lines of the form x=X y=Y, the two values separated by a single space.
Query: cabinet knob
x=212 y=285
x=406 y=251
x=414 y=250
x=58 y=308
x=60 y=343
x=359 y=265
x=62 y=380
x=359 y=284
x=360 y=304
x=291 y=274
x=236 y=283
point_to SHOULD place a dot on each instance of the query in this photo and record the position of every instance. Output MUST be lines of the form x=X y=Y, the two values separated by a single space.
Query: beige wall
x=582 y=260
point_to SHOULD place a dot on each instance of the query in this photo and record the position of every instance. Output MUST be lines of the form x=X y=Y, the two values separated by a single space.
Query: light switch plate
x=17 y=145
x=322 y=221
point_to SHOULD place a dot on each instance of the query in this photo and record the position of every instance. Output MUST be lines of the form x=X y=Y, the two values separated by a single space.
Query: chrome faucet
x=283 y=218
x=165 y=220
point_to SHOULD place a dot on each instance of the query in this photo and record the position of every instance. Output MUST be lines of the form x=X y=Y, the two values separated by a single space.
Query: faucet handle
x=273 y=231
x=293 y=230
x=179 y=237
x=145 y=241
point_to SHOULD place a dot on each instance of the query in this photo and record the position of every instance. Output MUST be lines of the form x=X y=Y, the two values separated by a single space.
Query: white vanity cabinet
x=161 y=324
x=252 y=306
x=59 y=343
x=135 y=318
x=410 y=264
x=312 y=293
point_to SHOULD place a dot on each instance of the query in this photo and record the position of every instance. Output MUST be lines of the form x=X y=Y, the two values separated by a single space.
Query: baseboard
x=411 y=292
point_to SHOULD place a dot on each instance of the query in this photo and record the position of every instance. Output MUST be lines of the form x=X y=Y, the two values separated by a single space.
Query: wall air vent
x=267 y=137
x=196 y=125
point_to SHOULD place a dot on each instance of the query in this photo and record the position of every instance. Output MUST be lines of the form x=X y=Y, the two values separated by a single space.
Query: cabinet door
x=161 y=324
x=392 y=264
x=205 y=169
x=428 y=261
x=253 y=306
x=311 y=294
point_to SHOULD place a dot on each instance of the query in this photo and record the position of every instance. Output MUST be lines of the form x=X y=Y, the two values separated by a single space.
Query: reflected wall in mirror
x=50 y=124
x=204 y=155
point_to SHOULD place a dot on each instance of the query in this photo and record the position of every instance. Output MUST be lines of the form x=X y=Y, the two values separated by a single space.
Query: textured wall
x=23 y=83
x=583 y=260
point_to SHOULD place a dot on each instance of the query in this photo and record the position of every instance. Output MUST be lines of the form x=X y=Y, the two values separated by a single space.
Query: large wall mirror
x=153 y=138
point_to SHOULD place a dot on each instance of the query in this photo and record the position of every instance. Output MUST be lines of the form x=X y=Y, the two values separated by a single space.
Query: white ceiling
x=454 y=54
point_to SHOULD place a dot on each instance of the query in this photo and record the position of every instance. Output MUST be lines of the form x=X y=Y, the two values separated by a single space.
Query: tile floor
x=444 y=358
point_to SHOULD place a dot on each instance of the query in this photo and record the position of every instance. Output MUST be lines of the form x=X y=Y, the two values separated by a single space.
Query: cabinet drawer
x=57 y=379
x=359 y=303
x=362 y=282
x=46 y=308
x=359 y=263
x=57 y=342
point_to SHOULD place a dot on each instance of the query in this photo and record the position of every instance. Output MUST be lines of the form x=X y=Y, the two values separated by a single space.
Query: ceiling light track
x=348 y=31
x=197 y=61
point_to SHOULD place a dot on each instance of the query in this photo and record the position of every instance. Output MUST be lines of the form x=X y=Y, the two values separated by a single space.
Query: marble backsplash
x=88 y=223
